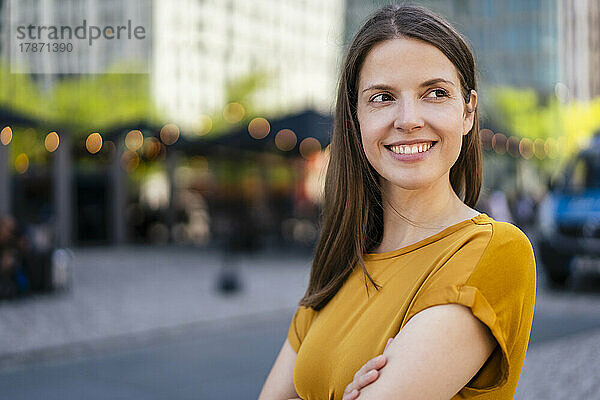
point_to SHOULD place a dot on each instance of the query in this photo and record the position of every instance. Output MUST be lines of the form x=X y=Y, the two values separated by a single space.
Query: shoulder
x=506 y=233
x=508 y=254
x=504 y=237
x=303 y=317
x=299 y=326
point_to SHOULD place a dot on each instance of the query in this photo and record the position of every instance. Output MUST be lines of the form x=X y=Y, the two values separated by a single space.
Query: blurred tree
x=520 y=113
x=20 y=93
x=523 y=113
x=580 y=119
x=94 y=102
x=81 y=103
x=242 y=90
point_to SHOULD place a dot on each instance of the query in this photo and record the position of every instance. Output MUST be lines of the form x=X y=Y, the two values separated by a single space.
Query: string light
x=93 y=143
x=285 y=139
x=52 y=141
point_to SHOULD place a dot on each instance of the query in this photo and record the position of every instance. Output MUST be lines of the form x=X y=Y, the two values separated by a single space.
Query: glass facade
x=515 y=41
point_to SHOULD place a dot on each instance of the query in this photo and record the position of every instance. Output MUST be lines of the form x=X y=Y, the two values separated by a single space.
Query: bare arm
x=280 y=382
x=434 y=356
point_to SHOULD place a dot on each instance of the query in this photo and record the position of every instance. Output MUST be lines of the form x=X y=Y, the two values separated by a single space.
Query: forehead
x=405 y=62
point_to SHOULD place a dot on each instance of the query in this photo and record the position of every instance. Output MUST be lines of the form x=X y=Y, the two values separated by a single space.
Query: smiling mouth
x=412 y=148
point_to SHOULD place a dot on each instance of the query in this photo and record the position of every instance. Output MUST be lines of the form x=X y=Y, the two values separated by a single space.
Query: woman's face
x=409 y=98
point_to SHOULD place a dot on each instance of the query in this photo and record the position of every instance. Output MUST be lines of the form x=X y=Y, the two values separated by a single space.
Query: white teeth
x=422 y=147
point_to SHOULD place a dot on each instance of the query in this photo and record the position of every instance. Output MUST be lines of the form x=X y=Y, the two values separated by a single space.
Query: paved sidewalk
x=124 y=292
x=562 y=369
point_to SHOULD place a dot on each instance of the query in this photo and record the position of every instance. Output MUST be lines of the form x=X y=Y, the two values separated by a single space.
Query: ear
x=469 y=115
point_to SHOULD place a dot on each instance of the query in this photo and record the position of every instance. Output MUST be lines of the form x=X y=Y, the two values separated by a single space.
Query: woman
x=453 y=288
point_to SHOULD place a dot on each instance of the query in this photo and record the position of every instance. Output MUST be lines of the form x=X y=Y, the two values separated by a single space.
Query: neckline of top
x=443 y=233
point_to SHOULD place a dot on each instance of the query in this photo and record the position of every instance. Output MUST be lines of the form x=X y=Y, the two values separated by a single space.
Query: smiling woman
x=420 y=107
x=453 y=288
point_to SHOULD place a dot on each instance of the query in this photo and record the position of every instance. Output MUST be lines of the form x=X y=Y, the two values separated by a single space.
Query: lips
x=410 y=142
x=413 y=148
x=411 y=153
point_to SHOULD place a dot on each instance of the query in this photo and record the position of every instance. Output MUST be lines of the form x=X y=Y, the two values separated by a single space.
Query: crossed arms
x=434 y=355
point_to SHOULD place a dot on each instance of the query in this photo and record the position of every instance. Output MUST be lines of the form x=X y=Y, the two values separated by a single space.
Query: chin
x=410 y=183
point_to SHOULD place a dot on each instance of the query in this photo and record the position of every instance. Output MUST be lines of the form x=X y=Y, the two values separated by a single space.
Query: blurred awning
x=10 y=117
x=285 y=137
x=293 y=131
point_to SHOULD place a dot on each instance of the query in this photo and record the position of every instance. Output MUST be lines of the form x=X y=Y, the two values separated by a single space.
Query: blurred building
x=202 y=46
x=199 y=50
x=515 y=41
x=73 y=21
x=548 y=45
x=579 y=27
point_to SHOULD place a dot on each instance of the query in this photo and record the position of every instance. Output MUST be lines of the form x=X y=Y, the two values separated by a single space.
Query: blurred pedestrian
x=525 y=209
x=498 y=206
x=13 y=279
x=453 y=287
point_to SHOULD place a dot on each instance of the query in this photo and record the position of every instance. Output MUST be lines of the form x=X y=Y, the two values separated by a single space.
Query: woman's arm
x=434 y=356
x=280 y=382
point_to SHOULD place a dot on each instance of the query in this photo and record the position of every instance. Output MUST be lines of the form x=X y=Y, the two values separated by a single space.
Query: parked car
x=569 y=218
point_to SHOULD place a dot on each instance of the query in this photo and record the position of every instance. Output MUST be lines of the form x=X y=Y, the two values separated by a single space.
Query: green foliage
x=242 y=90
x=20 y=93
x=81 y=103
x=581 y=119
x=521 y=112
x=94 y=102
x=27 y=140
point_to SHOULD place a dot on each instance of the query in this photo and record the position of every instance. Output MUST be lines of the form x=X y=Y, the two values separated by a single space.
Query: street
x=229 y=357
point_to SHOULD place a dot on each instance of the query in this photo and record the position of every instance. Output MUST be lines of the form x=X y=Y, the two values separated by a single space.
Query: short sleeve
x=299 y=326
x=498 y=284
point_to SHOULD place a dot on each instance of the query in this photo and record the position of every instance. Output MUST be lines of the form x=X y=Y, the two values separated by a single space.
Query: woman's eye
x=437 y=93
x=382 y=97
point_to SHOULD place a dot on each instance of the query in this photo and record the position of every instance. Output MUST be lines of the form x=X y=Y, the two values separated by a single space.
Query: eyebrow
x=430 y=82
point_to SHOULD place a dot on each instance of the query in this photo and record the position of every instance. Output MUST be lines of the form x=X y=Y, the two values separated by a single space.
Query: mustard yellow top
x=481 y=263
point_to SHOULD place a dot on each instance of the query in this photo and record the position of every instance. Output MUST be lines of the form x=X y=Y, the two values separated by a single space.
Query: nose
x=407 y=116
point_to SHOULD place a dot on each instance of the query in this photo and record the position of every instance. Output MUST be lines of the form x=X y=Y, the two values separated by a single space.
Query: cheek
x=373 y=128
x=366 y=131
x=448 y=124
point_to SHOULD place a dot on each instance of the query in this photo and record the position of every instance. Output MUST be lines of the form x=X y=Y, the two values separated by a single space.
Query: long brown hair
x=352 y=215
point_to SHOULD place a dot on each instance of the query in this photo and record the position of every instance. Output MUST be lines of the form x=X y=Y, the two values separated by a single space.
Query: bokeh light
x=130 y=160
x=233 y=112
x=134 y=140
x=309 y=147
x=21 y=163
x=151 y=148
x=285 y=139
x=199 y=162
x=526 y=148
x=6 y=135
x=499 y=143
x=512 y=146
x=486 y=138
x=169 y=134
x=551 y=147
x=52 y=141
x=538 y=149
x=204 y=125
x=259 y=128
x=93 y=143
x=562 y=92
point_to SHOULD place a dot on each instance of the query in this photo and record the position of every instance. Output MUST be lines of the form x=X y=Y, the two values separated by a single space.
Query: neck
x=424 y=211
